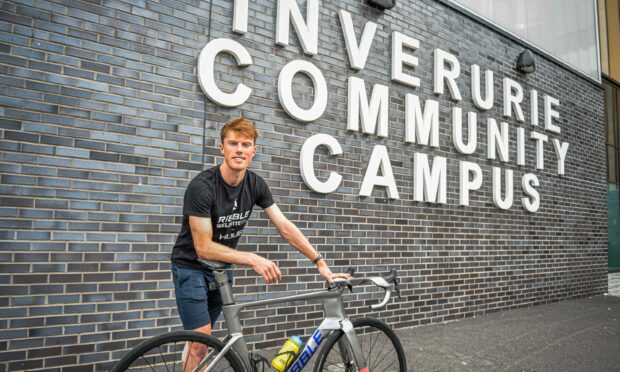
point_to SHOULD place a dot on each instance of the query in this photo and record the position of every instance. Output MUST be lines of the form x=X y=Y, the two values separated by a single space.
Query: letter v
x=357 y=53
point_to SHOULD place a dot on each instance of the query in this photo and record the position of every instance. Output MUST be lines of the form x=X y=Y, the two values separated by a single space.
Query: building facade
x=401 y=138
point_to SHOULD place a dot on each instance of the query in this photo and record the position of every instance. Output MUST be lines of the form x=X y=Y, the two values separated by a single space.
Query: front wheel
x=380 y=346
x=166 y=353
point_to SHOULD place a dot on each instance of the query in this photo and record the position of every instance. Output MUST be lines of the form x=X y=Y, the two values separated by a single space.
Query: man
x=216 y=206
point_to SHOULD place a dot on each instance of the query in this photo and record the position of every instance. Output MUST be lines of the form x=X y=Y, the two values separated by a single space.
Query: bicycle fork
x=329 y=324
x=349 y=332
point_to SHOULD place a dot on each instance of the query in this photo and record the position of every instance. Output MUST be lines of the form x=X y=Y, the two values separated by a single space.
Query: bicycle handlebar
x=382 y=282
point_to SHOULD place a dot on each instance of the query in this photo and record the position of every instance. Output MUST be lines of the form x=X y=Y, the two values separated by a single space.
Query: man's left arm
x=296 y=238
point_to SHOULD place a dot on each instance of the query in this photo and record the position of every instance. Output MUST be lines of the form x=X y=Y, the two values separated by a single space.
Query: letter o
x=285 y=90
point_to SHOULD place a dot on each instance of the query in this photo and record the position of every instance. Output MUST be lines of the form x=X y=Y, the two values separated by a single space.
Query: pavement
x=614 y=284
x=572 y=335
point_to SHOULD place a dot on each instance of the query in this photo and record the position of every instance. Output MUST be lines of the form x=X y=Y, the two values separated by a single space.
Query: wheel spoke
x=382 y=347
x=381 y=356
x=387 y=368
x=379 y=362
x=147 y=362
x=163 y=359
x=154 y=354
x=174 y=357
x=370 y=352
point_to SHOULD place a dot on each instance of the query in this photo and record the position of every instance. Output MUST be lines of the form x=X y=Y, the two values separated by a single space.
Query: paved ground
x=614 y=284
x=573 y=335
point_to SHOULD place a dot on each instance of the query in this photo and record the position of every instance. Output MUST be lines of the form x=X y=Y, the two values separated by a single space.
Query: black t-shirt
x=228 y=207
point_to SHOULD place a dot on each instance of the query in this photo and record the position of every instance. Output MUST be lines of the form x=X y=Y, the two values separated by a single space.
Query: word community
x=370 y=116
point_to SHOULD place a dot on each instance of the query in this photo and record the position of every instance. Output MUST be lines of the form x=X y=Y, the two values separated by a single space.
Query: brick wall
x=101 y=127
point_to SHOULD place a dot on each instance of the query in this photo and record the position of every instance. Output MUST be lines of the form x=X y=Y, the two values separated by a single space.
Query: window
x=564 y=29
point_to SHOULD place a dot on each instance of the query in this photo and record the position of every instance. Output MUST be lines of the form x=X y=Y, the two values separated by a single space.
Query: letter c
x=306 y=163
x=206 y=71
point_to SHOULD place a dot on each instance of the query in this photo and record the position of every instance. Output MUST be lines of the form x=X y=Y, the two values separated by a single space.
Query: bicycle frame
x=335 y=319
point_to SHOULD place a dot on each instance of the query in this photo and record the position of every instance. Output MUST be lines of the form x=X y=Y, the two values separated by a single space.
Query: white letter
x=510 y=87
x=206 y=71
x=306 y=163
x=483 y=104
x=527 y=182
x=240 y=20
x=551 y=113
x=466 y=185
x=495 y=138
x=419 y=128
x=357 y=54
x=399 y=58
x=449 y=75
x=534 y=107
x=285 y=90
x=506 y=203
x=560 y=152
x=520 y=146
x=377 y=110
x=429 y=186
x=540 y=148
x=457 y=131
x=379 y=158
x=308 y=32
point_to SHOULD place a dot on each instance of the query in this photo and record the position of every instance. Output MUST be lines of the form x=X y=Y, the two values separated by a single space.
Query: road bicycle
x=360 y=345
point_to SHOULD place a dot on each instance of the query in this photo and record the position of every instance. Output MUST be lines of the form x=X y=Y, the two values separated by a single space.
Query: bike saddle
x=216 y=265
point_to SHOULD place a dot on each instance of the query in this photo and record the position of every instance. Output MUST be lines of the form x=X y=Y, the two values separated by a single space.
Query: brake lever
x=397 y=288
x=350 y=287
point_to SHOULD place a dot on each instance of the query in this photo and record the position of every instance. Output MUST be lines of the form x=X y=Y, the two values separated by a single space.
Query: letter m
x=421 y=127
x=429 y=185
x=368 y=114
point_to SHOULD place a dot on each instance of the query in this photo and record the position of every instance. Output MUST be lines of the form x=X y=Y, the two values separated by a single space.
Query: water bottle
x=287 y=354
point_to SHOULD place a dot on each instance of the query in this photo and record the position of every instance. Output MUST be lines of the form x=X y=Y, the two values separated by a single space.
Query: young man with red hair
x=216 y=206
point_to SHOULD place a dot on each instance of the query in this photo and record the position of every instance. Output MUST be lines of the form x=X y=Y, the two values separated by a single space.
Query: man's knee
x=204 y=329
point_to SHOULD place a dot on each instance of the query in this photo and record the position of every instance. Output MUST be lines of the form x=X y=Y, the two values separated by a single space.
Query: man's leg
x=193 y=354
x=196 y=352
x=191 y=292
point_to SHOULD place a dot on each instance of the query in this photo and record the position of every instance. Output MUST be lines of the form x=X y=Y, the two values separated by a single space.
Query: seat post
x=224 y=284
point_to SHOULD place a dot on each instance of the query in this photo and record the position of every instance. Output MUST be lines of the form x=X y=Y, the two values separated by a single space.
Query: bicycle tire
x=135 y=360
x=330 y=349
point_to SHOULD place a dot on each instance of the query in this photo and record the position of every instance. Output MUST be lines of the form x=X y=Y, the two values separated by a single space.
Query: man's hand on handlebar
x=327 y=274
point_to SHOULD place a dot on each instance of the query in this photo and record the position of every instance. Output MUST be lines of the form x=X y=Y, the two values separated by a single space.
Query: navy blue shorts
x=197 y=305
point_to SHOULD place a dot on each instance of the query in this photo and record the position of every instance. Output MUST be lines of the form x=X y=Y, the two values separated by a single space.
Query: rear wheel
x=165 y=353
x=380 y=346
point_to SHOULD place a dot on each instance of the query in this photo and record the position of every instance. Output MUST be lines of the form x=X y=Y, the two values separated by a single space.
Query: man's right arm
x=202 y=235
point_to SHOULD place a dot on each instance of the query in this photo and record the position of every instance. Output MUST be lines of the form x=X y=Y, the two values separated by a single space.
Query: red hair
x=240 y=125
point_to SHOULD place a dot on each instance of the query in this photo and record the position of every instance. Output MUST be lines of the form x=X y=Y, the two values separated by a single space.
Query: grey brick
x=44 y=66
x=79 y=93
x=26 y=365
x=45 y=268
x=10 y=124
x=33 y=235
x=79 y=73
x=47 y=331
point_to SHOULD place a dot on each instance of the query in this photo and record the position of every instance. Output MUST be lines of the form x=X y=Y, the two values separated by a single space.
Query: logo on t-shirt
x=235 y=206
x=231 y=226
